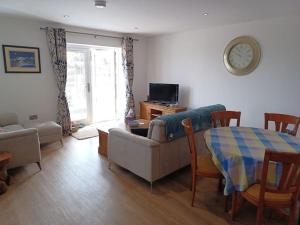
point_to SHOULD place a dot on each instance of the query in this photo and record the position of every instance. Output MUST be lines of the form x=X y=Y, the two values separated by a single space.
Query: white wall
x=194 y=59
x=28 y=94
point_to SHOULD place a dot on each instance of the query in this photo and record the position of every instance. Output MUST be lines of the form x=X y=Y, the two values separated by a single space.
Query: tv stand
x=163 y=104
x=150 y=110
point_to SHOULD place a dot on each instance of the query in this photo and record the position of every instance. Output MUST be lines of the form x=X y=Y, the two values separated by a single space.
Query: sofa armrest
x=18 y=133
x=138 y=154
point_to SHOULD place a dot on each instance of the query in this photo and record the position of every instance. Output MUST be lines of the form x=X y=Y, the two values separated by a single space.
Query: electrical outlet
x=33 y=117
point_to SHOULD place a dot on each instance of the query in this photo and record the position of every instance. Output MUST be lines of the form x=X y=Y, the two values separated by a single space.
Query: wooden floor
x=76 y=188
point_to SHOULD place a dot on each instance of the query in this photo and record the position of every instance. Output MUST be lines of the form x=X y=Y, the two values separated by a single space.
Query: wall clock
x=242 y=55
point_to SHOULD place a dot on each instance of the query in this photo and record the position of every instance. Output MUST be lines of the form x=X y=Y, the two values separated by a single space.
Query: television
x=163 y=93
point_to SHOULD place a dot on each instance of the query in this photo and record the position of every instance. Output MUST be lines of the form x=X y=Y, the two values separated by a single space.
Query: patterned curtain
x=56 y=39
x=127 y=58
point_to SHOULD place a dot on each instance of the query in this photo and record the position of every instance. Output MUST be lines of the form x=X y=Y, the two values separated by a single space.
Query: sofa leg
x=62 y=142
x=109 y=164
x=151 y=186
x=39 y=165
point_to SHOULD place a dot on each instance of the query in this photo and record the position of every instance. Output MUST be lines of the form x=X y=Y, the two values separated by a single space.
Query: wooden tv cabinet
x=149 y=111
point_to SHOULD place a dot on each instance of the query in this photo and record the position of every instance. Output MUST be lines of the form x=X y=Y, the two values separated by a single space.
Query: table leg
x=237 y=202
x=102 y=149
x=3 y=187
x=233 y=205
x=4 y=179
x=3 y=173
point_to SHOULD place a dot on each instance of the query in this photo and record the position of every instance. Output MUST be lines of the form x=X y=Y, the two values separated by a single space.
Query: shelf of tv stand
x=154 y=115
x=149 y=110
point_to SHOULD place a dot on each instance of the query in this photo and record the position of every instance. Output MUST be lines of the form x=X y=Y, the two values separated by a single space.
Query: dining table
x=238 y=152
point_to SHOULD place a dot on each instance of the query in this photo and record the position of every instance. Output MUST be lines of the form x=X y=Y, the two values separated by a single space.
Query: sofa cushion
x=11 y=128
x=8 y=119
x=201 y=119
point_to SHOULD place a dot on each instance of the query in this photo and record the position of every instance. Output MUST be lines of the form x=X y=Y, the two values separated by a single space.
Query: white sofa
x=22 y=143
x=150 y=157
x=157 y=155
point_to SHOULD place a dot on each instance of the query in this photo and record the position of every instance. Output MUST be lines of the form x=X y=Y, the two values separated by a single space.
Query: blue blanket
x=201 y=119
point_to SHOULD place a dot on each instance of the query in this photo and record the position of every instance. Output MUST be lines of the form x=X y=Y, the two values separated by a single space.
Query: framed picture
x=20 y=59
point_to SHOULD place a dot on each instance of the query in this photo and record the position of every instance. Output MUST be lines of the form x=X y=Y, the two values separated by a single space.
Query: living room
x=174 y=42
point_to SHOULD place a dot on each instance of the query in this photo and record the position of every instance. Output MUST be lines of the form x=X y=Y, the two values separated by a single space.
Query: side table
x=4 y=178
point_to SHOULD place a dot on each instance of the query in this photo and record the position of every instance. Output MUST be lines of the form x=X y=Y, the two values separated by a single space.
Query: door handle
x=88 y=86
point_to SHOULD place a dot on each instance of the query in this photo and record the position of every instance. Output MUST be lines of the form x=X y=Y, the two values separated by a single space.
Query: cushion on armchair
x=11 y=128
x=8 y=119
x=48 y=131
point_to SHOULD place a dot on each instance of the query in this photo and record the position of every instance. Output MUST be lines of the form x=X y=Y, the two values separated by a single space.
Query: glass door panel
x=94 y=83
x=103 y=85
x=76 y=88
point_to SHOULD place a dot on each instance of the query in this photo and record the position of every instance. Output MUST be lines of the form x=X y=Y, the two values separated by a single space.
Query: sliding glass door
x=92 y=83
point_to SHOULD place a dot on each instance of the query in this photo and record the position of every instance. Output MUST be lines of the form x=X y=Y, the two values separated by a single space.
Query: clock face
x=241 y=55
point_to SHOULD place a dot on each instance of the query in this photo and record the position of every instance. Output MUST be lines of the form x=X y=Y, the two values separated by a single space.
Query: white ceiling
x=150 y=16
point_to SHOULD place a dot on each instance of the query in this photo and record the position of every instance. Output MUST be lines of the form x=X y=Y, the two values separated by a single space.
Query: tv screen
x=163 y=93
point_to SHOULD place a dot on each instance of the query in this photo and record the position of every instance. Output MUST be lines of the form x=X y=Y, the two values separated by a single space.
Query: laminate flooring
x=75 y=187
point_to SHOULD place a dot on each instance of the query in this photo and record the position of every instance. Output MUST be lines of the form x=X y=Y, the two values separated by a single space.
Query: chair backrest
x=223 y=118
x=188 y=128
x=290 y=177
x=282 y=121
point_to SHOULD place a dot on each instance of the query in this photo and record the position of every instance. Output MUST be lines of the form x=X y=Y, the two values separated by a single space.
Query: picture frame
x=21 y=59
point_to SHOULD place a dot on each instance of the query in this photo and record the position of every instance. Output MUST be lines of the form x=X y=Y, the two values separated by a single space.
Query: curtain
x=56 y=39
x=127 y=62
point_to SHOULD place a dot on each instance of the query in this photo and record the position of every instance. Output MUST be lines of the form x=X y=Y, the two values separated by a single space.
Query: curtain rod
x=91 y=34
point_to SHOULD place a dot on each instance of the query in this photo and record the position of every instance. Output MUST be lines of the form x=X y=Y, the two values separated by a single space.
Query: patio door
x=103 y=85
x=78 y=84
x=92 y=83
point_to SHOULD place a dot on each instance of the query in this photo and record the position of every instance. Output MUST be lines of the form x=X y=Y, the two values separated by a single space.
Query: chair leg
x=7 y=181
x=292 y=217
x=270 y=214
x=259 y=215
x=193 y=189
x=233 y=205
x=39 y=165
x=226 y=203
x=220 y=185
x=191 y=185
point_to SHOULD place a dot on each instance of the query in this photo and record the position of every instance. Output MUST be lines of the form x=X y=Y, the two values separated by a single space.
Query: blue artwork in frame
x=20 y=59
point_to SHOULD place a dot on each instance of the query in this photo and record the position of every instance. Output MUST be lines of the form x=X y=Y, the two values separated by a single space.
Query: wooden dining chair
x=282 y=197
x=202 y=164
x=282 y=121
x=223 y=118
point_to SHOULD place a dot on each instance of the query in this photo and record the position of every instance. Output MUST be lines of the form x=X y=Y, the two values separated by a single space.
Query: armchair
x=22 y=143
